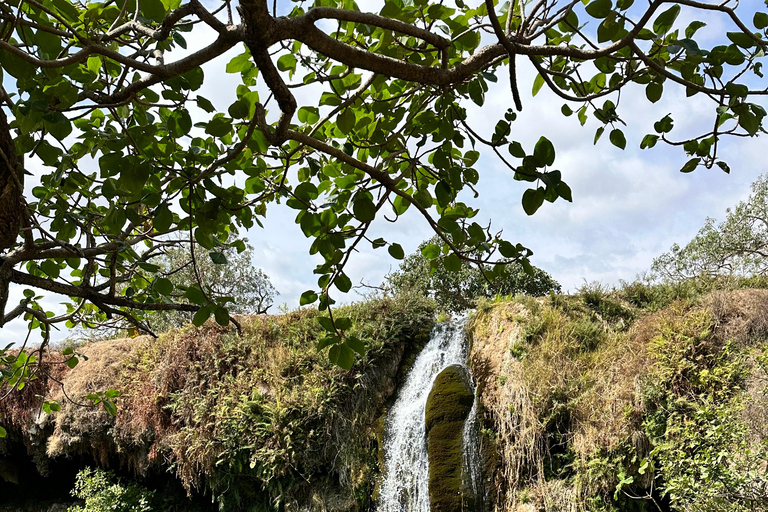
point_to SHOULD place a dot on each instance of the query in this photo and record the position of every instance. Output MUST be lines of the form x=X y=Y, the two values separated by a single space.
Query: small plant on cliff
x=103 y=492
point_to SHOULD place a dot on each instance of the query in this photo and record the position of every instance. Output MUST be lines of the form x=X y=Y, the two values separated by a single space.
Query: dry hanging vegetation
x=592 y=403
x=261 y=418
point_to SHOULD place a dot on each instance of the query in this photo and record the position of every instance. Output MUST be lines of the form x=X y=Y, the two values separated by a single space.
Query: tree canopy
x=135 y=161
x=738 y=246
x=456 y=289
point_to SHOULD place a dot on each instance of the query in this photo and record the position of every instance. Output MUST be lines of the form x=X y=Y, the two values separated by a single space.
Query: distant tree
x=432 y=273
x=228 y=276
x=737 y=246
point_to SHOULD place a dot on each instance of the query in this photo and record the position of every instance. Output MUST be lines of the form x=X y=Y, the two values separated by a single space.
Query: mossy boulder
x=448 y=406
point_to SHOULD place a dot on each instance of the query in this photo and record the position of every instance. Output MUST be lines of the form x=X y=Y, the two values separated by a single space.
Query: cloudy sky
x=628 y=206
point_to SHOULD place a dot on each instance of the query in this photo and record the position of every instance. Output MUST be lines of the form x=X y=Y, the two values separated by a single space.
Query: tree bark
x=11 y=206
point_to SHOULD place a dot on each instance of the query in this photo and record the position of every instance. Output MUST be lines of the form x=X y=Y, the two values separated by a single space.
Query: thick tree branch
x=89 y=293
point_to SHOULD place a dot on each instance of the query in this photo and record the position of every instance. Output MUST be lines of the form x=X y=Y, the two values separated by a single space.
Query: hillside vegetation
x=646 y=399
x=260 y=421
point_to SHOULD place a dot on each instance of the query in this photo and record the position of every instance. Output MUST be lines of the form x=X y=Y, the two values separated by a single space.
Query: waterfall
x=404 y=487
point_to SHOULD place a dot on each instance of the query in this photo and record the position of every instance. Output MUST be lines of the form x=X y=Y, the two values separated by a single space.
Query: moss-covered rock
x=448 y=406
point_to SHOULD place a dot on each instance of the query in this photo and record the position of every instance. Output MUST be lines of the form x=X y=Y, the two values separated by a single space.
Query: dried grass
x=544 y=389
x=554 y=391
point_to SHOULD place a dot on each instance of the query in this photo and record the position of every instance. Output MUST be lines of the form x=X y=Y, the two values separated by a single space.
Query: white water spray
x=405 y=486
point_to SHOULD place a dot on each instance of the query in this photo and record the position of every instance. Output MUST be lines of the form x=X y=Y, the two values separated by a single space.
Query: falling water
x=404 y=487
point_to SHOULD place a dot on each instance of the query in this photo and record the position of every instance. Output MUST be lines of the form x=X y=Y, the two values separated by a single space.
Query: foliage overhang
x=94 y=90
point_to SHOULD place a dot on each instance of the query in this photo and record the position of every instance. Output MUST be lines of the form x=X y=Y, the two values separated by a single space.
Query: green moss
x=448 y=406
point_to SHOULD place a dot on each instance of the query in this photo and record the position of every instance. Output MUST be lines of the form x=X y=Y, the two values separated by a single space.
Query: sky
x=628 y=206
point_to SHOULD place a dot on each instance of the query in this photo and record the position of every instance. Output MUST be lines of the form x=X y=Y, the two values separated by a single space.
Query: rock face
x=448 y=407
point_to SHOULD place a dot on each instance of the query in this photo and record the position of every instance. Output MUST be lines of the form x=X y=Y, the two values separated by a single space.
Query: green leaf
x=617 y=138
x=110 y=407
x=666 y=19
x=51 y=268
x=59 y=126
x=163 y=286
x=741 y=39
x=333 y=354
x=343 y=283
x=308 y=297
x=476 y=92
x=431 y=251
x=665 y=125
x=3 y=432
x=691 y=165
x=163 y=218
x=205 y=238
x=544 y=151
x=598 y=134
x=239 y=109
x=538 y=82
x=66 y=9
x=599 y=8
x=287 y=62
x=219 y=126
x=309 y=115
x=516 y=149
x=355 y=344
x=760 y=20
x=329 y=98
x=363 y=208
x=749 y=122
x=346 y=121
x=653 y=91
x=218 y=258
x=693 y=27
x=343 y=323
x=564 y=191
x=649 y=141
x=240 y=63
x=196 y=295
x=452 y=263
x=152 y=9
x=532 y=200
x=68 y=351
x=72 y=362
x=346 y=357
x=396 y=251
x=582 y=115
x=205 y=104
x=201 y=315
x=222 y=316
x=443 y=193
x=326 y=323
x=325 y=341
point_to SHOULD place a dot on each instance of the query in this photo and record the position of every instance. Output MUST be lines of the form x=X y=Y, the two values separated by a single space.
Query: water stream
x=404 y=487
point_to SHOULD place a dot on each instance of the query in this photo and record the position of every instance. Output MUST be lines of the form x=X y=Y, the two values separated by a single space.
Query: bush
x=103 y=492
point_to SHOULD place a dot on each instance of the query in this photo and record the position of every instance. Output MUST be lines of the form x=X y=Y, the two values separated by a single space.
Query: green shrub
x=701 y=444
x=103 y=492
